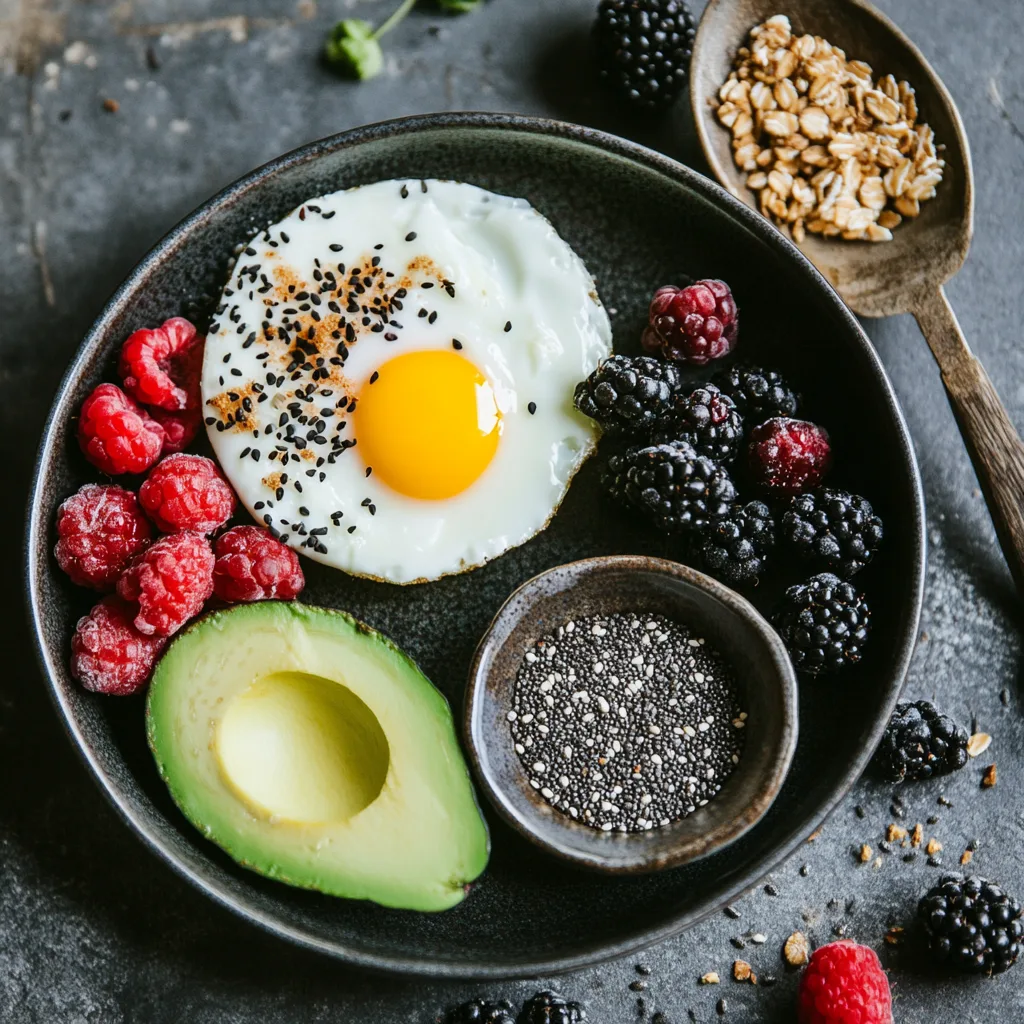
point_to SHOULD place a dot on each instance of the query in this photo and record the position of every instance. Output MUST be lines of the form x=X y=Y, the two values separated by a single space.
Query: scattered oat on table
x=797 y=950
x=988 y=780
x=978 y=744
x=827 y=148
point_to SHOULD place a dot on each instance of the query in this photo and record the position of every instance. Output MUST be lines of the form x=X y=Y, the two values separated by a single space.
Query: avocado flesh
x=315 y=752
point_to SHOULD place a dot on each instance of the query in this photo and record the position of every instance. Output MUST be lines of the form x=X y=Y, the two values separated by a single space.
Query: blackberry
x=482 y=1011
x=835 y=530
x=972 y=924
x=920 y=742
x=736 y=545
x=759 y=394
x=551 y=1008
x=824 y=624
x=708 y=420
x=626 y=394
x=643 y=48
x=678 y=489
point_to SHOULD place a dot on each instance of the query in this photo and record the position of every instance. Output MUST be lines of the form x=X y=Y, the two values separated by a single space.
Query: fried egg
x=388 y=379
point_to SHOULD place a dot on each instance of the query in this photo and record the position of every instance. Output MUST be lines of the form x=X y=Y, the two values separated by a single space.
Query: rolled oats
x=829 y=149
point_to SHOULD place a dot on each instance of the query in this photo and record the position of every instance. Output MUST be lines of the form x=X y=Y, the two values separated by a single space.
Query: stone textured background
x=92 y=927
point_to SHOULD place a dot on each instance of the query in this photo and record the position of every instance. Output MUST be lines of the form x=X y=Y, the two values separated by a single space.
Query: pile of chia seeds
x=626 y=723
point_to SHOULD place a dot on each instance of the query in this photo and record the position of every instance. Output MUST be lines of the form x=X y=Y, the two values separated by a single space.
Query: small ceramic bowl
x=634 y=584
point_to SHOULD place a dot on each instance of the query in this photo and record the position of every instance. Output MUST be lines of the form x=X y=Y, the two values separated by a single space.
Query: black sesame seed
x=456 y=344
x=531 y=408
x=508 y=326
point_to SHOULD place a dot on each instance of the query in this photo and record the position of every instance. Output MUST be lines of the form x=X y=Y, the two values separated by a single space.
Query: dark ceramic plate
x=638 y=220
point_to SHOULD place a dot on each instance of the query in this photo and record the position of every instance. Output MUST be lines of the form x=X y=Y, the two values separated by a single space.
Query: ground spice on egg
x=626 y=722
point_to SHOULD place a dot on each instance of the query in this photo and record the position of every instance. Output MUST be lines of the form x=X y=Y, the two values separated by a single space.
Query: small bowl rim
x=688 y=849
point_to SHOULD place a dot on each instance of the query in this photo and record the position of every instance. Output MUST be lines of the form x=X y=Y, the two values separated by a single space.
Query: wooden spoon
x=906 y=274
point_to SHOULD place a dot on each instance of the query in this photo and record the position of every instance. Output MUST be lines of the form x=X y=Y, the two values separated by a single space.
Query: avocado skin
x=431 y=838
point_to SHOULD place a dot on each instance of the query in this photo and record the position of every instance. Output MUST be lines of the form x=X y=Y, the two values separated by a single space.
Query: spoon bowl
x=906 y=274
x=874 y=279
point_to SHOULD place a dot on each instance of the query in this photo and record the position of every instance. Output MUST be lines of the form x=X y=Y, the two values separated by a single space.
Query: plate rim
x=590 y=954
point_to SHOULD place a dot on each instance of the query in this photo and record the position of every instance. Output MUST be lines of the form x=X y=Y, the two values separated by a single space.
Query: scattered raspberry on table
x=844 y=984
x=187 y=492
x=254 y=566
x=99 y=530
x=169 y=582
x=158 y=365
x=116 y=435
x=108 y=654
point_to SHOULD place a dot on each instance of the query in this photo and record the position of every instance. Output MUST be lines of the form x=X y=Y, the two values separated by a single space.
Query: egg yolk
x=427 y=424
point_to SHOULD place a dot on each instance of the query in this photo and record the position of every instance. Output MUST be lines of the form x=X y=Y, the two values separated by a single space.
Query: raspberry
x=844 y=984
x=187 y=492
x=116 y=435
x=108 y=654
x=182 y=425
x=156 y=362
x=170 y=581
x=99 y=530
x=789 y=456
x=253 y=566
x=694 y=324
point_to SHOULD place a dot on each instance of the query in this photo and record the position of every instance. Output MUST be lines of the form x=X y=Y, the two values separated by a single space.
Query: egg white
x=479 y=261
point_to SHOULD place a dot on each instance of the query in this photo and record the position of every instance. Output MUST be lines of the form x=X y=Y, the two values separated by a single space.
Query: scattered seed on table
x=626 y=722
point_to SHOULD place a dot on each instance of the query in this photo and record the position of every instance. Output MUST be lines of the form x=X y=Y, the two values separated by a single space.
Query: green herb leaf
x=352 y=49
x=458 y=6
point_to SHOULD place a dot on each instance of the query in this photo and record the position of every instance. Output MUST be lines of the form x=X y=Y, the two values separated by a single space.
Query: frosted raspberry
x=694 y=324
x=253 y=566
x=117 y=436
x=170 y=582
x=844 y=984
x=180 y=428
x=187 y=492
x=99 y=529
x=789 y=456
x=157 y=365
x=108 y=654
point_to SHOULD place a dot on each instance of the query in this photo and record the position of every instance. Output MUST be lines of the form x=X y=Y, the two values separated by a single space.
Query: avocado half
x=315 y=752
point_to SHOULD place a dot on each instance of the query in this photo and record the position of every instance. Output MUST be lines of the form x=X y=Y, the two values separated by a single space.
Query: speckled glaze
x=642 y=586
x=638 y=220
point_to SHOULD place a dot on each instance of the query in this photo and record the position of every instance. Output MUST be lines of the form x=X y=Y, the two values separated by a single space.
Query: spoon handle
x=992 y=440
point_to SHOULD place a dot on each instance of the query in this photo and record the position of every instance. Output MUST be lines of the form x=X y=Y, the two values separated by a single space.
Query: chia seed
x=626 y=723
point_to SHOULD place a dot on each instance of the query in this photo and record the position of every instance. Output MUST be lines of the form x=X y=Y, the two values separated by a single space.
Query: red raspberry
x=156 y=364
x=694 y=324
x=789 y=456
x=108 y=654
x=170 y=581
x=187 y=492
x=116 y=435
x=181 y=426
x=844 y=984
x=253 y=566
x=99 y=530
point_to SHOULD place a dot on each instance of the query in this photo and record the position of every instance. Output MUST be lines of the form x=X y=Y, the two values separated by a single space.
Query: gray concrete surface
x=92 y=927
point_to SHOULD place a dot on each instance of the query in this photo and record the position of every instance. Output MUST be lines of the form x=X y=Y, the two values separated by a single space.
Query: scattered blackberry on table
x=551 y=1008
x=835 y=530
x=643 y=49
x=676 y=488
x=919 y=743
x=482 y=1011
x=972 y=924
x=824 y=624
x=844 y=984
x=736 y=545
x=694 y=324
x=789 y=456
x=626 y=394
x=708 y=420
x=99 y=530
x=759 y=394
